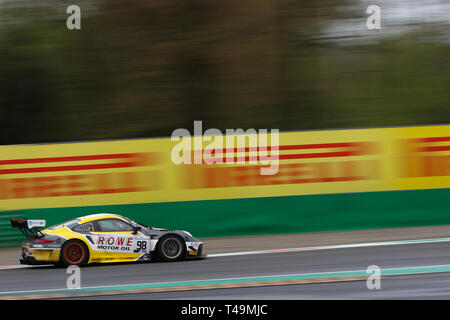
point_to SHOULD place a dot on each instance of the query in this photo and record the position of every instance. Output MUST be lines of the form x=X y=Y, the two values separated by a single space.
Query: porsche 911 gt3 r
x=101 y=238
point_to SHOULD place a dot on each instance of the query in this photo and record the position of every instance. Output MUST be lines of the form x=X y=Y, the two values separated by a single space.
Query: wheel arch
x=83 y=242
x=166 y=235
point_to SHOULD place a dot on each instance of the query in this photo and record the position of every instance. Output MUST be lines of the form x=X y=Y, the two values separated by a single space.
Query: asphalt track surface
x=413 y=286
x=420 y=287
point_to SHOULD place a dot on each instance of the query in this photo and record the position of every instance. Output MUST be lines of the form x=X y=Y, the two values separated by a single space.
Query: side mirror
x=136 y=229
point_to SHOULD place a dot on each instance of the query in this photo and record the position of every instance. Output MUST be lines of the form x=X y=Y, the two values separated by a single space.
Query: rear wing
x=28 y=227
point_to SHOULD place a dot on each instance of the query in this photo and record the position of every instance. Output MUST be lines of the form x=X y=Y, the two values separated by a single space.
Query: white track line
x=330 y=247
x=340 y=246
x=19 y=266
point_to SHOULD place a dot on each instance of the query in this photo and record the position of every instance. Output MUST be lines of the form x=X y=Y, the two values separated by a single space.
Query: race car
x=102 y=238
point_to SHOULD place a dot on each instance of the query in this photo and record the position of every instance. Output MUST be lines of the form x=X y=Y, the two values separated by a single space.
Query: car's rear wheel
x=74 y=252
x=171 y=248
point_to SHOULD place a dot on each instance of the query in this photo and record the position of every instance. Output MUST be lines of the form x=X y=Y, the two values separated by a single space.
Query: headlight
x=188 y=233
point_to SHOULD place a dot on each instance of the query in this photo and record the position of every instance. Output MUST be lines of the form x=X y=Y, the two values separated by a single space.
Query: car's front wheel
x=74 y=252
x=171 y=248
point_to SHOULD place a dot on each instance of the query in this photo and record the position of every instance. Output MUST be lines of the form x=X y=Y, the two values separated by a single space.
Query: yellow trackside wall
x=141 y=170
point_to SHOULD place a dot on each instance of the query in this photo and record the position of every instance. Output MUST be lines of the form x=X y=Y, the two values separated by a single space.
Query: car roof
x=97 y=216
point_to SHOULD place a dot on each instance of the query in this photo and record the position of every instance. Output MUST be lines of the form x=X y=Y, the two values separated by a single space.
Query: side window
x=85 y=227
x=113 y=225
x=123 y=226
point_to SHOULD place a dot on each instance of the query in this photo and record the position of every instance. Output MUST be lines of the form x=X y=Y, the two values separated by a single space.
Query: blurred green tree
x=142 y=69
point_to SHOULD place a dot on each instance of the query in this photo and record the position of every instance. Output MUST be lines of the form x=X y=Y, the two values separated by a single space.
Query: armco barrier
x=327 y=180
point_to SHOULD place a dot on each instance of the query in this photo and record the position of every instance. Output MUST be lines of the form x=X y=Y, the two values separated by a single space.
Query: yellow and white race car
x=101 y=238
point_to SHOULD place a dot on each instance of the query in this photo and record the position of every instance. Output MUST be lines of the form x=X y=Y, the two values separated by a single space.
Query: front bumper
x=195 y=249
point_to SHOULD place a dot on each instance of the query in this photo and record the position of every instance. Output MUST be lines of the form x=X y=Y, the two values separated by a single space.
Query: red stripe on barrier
x=435 y=148
x=133 y=160
x=69 y=168
x=64 y=159
x=285 y=147
x=434 y=139
x=291 y=156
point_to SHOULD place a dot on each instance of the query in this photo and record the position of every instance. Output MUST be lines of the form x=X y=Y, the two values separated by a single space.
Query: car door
x=117 y=239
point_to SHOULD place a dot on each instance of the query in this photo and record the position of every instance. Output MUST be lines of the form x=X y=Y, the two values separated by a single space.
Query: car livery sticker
x=121 y=243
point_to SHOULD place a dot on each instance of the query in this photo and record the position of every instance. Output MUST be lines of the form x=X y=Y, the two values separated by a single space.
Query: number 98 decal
x=141 y=246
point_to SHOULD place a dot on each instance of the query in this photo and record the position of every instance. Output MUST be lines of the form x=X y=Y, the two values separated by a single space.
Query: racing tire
x=171 y=248
x=74 y=253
